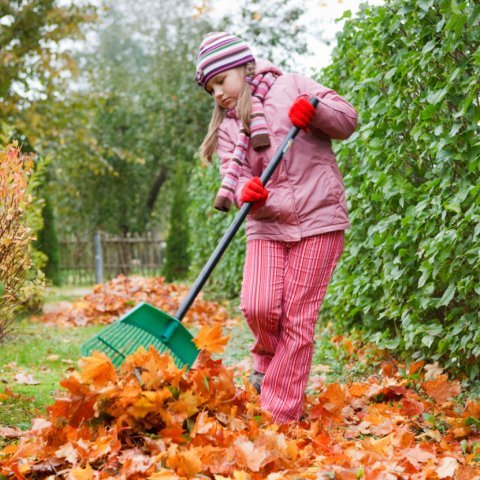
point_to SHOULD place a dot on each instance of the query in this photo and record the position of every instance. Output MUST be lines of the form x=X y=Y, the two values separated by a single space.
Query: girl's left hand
x=301 y=112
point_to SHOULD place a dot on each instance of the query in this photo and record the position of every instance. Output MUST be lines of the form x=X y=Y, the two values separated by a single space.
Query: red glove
x=254 y=192
x=301 y=112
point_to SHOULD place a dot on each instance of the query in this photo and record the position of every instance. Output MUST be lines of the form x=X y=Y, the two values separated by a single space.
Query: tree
x=177 y=254
x=32 y=61
x=147 y=114
x=276 y=32
x=47 y=243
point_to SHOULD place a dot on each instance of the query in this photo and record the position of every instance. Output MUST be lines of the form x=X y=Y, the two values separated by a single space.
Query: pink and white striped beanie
x=219 y=52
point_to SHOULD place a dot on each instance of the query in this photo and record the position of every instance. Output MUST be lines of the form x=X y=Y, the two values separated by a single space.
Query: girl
x=295 y=229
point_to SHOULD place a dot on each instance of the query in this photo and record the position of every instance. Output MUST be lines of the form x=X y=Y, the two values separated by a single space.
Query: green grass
x=65 y=293
x=29 y=353
x=341 y=365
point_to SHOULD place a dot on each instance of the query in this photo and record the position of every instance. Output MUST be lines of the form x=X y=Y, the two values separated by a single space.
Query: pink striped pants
x=283 y=288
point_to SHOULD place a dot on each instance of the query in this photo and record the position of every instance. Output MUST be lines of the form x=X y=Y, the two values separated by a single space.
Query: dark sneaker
x=256 y=380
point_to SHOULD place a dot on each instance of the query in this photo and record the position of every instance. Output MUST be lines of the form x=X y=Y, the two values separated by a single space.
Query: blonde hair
x=243 y=110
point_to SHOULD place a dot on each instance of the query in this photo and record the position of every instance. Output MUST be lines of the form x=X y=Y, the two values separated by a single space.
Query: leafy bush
x=208 y=226
x=410 y=274
x=19 y=281
x=47 y=243
x=177 y=256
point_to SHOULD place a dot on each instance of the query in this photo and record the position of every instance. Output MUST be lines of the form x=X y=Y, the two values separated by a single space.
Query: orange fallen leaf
x=149 y=402
x=415 y=367
x=441 y=389
x=97 y=369
x=348 y=344
x=411 y=407
x=210 y=339
x=82 y=473
x=164 y=474
x=418 y=455
x=185 y=463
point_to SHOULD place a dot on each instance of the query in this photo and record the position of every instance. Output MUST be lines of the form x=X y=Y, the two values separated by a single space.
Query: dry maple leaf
x=184 y=463
x=446 y=467
x=9 y=432
x=210 y=339
x=79 y=473
x=332 y=402
x=440 y=389
x=418 y=455
x=156 y=369
x=135 y=463
x=432 y=371
x=78 y=405
x=68 y=452
x=149 y=402
x=25 y=379
x=164 y=474
x=411 y=407
x=415 y=367
x=467 y=472
x=97 y=369
x=250 y=456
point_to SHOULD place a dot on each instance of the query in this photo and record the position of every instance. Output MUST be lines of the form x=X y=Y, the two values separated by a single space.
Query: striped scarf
x=259 y=86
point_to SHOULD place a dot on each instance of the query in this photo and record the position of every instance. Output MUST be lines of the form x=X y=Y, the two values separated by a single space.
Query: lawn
x=42 y=354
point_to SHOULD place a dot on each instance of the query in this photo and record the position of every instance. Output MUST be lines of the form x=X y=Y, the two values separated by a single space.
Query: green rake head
x=143 y=326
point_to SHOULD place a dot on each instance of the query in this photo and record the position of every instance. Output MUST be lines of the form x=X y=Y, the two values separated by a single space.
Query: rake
x=146 y=325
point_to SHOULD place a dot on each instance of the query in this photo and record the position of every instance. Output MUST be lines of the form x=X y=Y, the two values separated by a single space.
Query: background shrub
x=19 y=214
x=410 y=275
x=48 y=243
x=177 y=254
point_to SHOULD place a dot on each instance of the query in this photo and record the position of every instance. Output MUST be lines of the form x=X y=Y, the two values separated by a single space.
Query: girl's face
x=225 y=87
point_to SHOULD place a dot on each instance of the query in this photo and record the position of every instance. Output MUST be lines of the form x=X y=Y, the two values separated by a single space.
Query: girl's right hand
x=254 y=192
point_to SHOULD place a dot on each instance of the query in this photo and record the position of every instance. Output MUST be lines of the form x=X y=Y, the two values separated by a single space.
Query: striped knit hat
x=220 y=51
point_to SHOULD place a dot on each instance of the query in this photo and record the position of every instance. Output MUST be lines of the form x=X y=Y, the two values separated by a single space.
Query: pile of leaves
x=111 y=300
x=152 y=420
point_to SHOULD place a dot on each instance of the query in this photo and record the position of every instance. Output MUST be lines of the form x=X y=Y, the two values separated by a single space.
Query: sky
x=321 y=15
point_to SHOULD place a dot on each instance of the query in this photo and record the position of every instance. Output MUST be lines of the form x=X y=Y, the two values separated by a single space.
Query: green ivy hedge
x=410 y=275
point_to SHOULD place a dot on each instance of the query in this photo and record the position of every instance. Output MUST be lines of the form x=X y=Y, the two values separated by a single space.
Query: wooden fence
x=85 y=261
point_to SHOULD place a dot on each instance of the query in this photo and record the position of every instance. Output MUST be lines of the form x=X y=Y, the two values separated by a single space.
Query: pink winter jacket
x=306 y=192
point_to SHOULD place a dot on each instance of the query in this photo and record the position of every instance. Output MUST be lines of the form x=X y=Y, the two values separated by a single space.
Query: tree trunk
x=155 y=188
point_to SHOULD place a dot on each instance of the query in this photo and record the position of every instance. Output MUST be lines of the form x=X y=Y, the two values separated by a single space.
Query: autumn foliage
x=15 y=234
x=109 y=301
x=152 y=420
